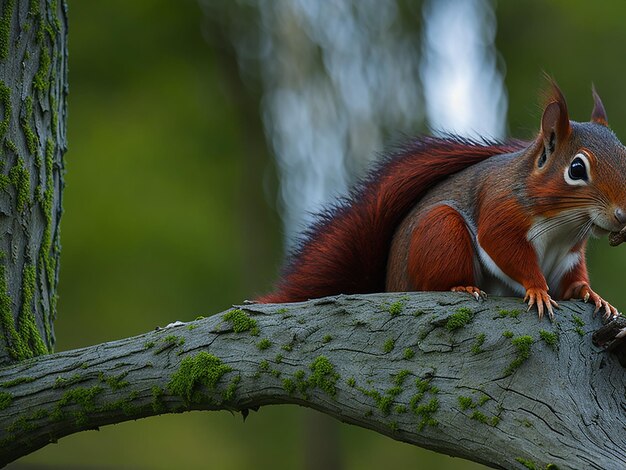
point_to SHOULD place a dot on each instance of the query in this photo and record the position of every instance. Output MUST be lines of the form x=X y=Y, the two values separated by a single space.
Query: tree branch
x=484 y=381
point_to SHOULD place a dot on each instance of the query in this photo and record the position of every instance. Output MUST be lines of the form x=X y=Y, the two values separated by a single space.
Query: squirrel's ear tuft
x=598 y=114
x=555 y=125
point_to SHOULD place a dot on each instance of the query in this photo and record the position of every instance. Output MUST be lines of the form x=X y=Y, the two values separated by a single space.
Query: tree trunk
x=33 y=88
x=484 y=381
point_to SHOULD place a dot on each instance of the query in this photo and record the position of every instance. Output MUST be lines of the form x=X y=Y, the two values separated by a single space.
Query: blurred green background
x=170 y=206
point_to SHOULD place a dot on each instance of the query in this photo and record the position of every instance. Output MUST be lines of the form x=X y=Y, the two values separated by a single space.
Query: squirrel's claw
x=473 y=291
x=587 y=294
x=540 y=297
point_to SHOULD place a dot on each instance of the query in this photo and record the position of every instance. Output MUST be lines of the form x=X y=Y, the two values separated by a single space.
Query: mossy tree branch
x=33 y=89
x=485 y=381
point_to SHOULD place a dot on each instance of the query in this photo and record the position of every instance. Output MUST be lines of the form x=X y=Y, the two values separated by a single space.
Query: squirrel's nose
x=620 y=215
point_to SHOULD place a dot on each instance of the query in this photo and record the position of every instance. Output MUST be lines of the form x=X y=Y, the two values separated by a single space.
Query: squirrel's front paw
x=540 y=297
x=609 y=311
x=582 y=290
x=477 y=293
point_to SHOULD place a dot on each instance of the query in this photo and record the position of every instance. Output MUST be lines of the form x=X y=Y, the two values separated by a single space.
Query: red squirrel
x=450 y=213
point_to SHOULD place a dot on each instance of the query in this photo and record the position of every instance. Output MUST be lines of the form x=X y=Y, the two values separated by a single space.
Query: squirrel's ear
x=555 y=126
x=598 y=114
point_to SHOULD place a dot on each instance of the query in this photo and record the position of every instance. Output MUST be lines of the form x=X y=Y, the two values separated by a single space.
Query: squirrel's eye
x=578 y=170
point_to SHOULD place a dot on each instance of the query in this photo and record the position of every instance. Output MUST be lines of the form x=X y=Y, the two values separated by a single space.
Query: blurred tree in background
x=171 y=198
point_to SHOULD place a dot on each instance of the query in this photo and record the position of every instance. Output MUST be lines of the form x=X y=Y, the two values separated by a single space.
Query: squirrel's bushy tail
x=345 y=251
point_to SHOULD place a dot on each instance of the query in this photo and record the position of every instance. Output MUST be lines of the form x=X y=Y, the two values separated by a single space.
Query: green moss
x=264 y=344
x=578 y=321
x=389 y=345
x=276 y=373
x=466 y=403
x=8 y=143
x=502 y=313
x=400 y=409
x=395 y=308
x=393 y=425
x=124 y=404
x=425 y=413
x=483 y=399
x=385 y=400
x=20 y=178
x=178 y=340
x=192 y=326
x=351 y=382
x=382 y=402
x=507 y=334
x=550 y=338
x=158 y=406
x=478 y=343
x=5 y=28
x=287 y=347
x=54 y=120
x=5 y=101
x=148 y=344
x=459 y=319
x=65 y=382
x=115 y=382
x=422 y=385
x=31 y=138
x=240 y=320
x=290 y=386
x=16 y=345
x=18 y=381
x=323 y=375
x=523 y=346
x=418 y=313
x=282 y=311
x=22 y=425
x=482 y=418
x=278 y=359
x=5 y=400
x=33 y=8
x=229 y=393
x=264 y=365
x=40 y=80
x=529 y=464
x=26 y=320
x=580 y=331
x=168 y=342
x=46 y=256
x=83 y=397
x=297 y=384
x=327 y=339
x=203 y=369
x=400 y=377
x=408 y=353
x=55 y=15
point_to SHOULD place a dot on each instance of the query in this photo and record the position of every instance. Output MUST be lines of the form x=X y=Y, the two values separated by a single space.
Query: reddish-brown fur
x=434 y=262
x=503 y=235
x=346 y=250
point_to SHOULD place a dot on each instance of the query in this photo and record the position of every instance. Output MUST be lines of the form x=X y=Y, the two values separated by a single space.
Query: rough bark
x=33 y=87
x=481 y=380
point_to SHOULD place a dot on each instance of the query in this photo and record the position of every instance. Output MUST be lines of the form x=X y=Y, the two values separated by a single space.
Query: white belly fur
x=553 y=248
